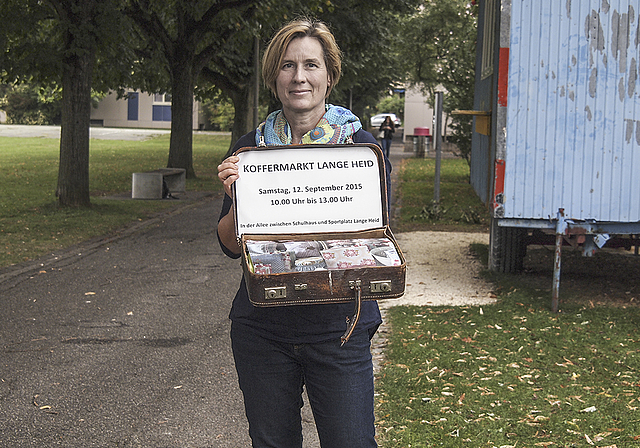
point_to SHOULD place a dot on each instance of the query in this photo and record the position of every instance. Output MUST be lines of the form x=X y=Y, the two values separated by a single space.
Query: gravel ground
x=440 y=271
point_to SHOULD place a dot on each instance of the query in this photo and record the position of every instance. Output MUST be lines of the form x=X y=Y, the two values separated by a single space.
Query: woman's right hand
x=228 y=173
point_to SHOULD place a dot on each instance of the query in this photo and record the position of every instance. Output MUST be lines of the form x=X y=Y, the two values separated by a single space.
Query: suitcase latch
x=380 y=286
x=278 y=292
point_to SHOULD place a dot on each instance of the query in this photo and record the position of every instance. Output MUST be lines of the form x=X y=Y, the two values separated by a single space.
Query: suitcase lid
x=310 y=189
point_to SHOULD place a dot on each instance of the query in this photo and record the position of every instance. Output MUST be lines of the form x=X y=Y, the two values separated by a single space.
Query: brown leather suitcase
x=327 y=202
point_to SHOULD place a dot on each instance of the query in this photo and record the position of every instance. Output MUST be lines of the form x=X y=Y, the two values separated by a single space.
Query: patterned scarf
x=336 y=126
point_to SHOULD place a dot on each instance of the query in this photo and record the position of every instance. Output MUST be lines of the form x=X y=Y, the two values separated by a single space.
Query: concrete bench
x=148 y=185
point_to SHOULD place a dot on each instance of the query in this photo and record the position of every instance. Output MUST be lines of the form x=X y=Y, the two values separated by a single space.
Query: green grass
x=459 y=207
x=31 y=223
x=512 y=374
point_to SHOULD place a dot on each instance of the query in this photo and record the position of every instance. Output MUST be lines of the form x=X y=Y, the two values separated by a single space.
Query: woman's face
x=303 y=78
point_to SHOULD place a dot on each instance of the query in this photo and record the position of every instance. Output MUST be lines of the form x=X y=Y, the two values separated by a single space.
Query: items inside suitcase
x=273 y=257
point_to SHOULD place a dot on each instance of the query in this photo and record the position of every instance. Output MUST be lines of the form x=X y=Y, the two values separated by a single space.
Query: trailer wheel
x=507 y=248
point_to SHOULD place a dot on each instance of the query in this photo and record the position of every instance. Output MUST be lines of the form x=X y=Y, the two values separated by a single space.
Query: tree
x=392 y=104
x=57 y=43
x=366 y=32
x=232 y=70
x=438 y=48
x=189 y=34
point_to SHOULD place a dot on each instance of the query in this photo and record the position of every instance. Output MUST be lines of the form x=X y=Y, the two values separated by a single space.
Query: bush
x=219 y=113
x=392 y=105
x=26 y=104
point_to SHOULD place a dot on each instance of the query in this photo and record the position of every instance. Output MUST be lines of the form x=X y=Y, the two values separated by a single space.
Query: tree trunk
x=243 y=112
x=181 y=143
x=73 y=171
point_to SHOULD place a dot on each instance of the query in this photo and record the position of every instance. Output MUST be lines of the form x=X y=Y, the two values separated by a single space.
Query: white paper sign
x=310 y=189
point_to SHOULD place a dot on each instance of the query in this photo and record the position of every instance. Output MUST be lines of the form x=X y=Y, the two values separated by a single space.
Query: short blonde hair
x=274 y=54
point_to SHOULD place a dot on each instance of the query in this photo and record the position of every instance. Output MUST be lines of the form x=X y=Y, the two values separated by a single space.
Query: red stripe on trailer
x=503 y=76
x=498 y=184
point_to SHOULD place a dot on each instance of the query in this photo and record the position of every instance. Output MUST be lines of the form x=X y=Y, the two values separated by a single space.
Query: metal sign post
x=437 y=137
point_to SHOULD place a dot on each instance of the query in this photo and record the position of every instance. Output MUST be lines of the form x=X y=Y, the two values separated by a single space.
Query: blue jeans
x=339 y=382
x=386 y=146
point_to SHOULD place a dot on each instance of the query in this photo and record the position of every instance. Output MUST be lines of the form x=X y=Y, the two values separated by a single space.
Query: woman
x=387 y=129
x=278 y=350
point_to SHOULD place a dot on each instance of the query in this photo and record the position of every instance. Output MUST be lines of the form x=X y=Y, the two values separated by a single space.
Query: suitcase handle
x=353 y=321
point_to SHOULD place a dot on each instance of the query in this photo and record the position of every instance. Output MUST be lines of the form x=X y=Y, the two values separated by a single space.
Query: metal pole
x=256 y=100
x=555 y=293
x=437 y=135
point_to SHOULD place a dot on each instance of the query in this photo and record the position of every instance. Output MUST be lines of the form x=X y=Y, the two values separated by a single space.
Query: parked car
x=377 y=120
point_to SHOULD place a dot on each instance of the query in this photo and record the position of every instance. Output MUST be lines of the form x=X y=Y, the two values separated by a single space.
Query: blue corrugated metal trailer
x=556 y=143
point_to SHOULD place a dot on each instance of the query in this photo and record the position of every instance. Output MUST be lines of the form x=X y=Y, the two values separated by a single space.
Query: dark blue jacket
x=299 y=324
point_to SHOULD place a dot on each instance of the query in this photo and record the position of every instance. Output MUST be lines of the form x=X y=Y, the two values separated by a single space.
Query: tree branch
x=219 y=80
x=203 y=58
x=149 y=21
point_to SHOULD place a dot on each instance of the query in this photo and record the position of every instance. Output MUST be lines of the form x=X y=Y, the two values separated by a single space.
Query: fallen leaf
x=601 y=436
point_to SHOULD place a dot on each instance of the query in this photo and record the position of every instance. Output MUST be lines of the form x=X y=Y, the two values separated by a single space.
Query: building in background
x=418 y=113
x=139 y=110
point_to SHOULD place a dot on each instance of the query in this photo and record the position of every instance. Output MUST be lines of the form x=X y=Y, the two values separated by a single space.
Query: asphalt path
x=100 y=133
x=123 y=341
x=17 y=130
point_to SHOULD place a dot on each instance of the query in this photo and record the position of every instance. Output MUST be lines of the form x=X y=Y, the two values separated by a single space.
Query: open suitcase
x=312 y=223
